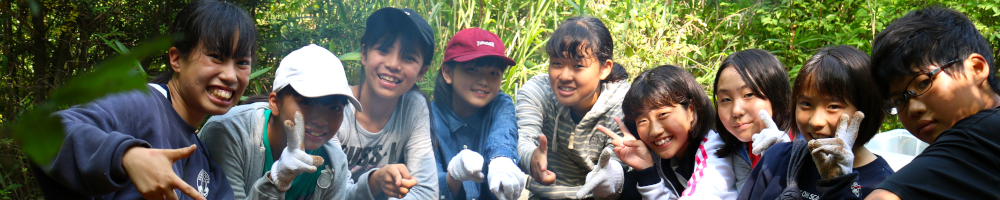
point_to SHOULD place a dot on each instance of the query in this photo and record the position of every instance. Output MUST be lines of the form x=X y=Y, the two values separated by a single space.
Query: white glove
x=293 y=160
x=770 y=135
x=606 y=178
x=505 y=178
x=834 y=156
x=466 y=165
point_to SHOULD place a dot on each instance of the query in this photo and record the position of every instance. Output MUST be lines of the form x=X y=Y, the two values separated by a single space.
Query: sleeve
x=529 y=121
x=502 y=139
x=652 y=187
x=263 y=188
x=766 y=172
x=226 y=145
x=90 y=158
x=419 y=152
x=442 y=173
x=961 y=166
x=713 y=176
x=840 y=187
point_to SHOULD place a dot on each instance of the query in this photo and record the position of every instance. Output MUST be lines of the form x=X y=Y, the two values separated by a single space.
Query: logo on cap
x=487 y=43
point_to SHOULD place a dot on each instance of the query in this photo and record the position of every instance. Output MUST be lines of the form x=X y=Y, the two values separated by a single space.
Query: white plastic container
x=898 y=147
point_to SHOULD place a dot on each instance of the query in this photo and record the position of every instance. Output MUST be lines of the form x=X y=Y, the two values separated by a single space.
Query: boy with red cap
x=474 y=121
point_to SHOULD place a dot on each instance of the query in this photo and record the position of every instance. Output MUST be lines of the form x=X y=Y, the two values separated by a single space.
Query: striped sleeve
x=713 y=176
x=529 y=114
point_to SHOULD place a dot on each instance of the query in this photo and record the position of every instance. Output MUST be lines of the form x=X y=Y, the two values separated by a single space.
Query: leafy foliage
x=59 y=44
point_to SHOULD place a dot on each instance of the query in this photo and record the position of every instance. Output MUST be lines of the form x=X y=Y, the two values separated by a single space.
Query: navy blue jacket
x=787 y=171
x=89 y=163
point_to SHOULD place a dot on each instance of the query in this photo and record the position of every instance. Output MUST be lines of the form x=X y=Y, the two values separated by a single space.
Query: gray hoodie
x=574 y=148
x=234 y=142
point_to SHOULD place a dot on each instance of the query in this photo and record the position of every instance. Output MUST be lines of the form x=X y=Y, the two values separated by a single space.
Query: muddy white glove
x=834 y=156
x=293 y=160
x=505 y=178
x=466 y=165
x=606 y=178
x=770 y=135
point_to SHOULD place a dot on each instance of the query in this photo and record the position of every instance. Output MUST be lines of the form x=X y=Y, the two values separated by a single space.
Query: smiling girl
x=832 y=98
x=142 y=143
x=583 y=88
x=396 y=50
x=670 y=114
x=748 y=82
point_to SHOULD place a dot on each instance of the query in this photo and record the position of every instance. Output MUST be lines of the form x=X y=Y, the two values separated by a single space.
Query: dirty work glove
x=606 y=178
x=466 y=165
x=834 y=156
x=293 y=160
x=505 y=178
x=770 y=135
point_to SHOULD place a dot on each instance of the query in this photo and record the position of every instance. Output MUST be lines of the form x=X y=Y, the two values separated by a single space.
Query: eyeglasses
x=899 y=101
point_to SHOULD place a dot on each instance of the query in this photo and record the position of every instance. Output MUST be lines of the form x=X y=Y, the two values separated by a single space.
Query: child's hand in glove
x=505 y=178
x=466 y=165
x=293 y=160
x=606 y=178
x=770 y=135
x=834 y=156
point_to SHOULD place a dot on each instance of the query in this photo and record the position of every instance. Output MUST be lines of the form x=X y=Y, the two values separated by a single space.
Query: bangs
x=410 y=44
x=579 y=37
x=825 y=76
x=225 y=29
x=647 y=94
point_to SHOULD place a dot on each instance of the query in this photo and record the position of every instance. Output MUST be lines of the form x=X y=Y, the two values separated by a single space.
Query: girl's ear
x=175 y=59
x=364 y=54
x=423 y=70
x=606 y=68
x=446 y=72
x=691 y=115
x=272 y=100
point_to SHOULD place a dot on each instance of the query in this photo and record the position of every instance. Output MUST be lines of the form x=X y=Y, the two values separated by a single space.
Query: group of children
x=580 y=131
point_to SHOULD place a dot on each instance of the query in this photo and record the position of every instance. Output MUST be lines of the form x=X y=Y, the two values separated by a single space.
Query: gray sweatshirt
x=573 y=148
x=234 y=142
x=405 y=139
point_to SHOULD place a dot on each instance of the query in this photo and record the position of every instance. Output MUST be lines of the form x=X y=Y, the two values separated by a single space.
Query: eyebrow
x=741 y=88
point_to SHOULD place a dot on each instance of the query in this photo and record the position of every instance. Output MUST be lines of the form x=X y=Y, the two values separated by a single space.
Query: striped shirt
x=573 y=147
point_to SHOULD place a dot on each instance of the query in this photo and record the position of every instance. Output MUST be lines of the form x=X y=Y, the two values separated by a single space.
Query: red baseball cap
x=471 y=43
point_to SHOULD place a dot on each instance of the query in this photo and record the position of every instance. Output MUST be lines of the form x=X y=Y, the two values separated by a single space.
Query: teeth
x=566 y=89
x=222 y=94
x=389 y=79
x=316 y=134
x=480 y=91
x=663 y=141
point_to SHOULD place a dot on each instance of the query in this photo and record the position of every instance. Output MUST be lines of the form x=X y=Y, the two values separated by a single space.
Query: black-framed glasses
x=899 y=101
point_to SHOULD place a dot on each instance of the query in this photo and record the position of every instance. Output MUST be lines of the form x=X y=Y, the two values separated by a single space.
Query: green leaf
x=41 y=133
x=259 y=72
x=352 y=56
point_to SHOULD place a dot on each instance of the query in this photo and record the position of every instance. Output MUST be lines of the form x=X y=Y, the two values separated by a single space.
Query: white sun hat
x=314 y=72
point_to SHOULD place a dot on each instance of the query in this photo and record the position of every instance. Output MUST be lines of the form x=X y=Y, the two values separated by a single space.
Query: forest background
x=47 y=46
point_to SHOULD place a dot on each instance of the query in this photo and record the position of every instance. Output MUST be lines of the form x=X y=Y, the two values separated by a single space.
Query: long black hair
x=843 y=72
x=216 y=26
x=767 y=78
x=579 y=35
x=668 y=85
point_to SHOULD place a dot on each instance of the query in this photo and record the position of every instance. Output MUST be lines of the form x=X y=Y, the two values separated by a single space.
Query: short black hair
x=766 y=77
x=214 y=25
x=843 y=72
x=577 y=35
x=443 y=91
x=664 y=86
x=930 y=36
